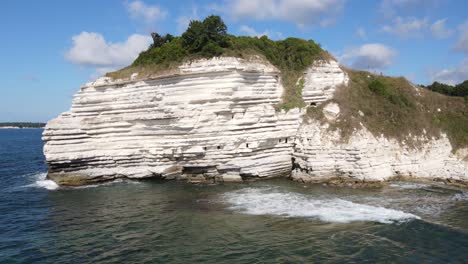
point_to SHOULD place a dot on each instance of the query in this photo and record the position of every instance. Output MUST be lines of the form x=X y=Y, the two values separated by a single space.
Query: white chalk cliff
x=214 y=120
x=319 y=155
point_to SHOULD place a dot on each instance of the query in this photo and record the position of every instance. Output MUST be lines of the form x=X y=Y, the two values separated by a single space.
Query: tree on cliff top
x=207 y=37
x=159 y=40
x=460 y=89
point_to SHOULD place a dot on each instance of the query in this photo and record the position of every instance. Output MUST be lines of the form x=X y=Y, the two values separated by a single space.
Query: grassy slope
x=399 y=111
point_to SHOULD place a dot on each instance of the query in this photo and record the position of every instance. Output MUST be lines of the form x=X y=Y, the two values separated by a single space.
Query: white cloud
x=90 y=49
x=452 y=75
x=389 y=8
x=360 y=33
x=369 y=56
x=300 y=12
x=462 y=42
x=406 y=27
x=252 y=32
x=249 y=31
x=439 y=29
x=147 y=13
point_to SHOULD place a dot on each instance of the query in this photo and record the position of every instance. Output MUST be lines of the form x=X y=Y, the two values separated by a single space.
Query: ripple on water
x=271 y=201
x=463 y=196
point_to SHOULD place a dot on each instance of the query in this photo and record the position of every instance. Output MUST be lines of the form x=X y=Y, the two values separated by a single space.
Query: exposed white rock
x=331 y=111
x=321 y=81
x=215 y=120
x=320 y=155
x=462 y=154
x=134 y=76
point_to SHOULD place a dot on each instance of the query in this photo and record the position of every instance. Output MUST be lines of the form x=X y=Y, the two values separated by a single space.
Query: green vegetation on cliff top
x=395 y=108
x=209 y=38
x=460 y=89
x=387 y=106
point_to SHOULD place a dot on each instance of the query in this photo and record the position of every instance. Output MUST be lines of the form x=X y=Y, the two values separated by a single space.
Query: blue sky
x=50 y=48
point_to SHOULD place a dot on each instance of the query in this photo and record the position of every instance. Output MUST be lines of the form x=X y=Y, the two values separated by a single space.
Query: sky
x=50 y=48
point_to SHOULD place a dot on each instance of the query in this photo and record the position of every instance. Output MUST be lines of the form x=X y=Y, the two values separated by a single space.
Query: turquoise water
x=275 y=221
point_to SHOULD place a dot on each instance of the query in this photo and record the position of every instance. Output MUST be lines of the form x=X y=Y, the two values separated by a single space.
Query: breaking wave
x=42 y=182
x=270 y=201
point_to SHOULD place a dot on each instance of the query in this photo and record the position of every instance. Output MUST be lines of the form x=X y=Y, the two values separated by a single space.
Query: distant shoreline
x=19 y=125
x=13 y=127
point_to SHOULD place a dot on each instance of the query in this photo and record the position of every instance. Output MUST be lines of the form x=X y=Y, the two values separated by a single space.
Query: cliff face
x=214 y=120
x=320 y=155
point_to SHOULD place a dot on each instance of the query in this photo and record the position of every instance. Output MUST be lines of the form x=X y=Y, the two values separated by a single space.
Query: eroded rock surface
x=320 y=155
x=214 y=120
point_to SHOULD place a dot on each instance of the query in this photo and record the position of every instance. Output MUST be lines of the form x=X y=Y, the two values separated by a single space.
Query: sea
x=270 y=221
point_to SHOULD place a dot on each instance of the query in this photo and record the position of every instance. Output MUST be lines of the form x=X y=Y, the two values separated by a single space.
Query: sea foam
x=270 y=201
x=42 y=182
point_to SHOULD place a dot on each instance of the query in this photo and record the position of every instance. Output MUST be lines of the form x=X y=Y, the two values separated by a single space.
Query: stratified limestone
x=214 y=121
x=321 y=81
x=320 y=156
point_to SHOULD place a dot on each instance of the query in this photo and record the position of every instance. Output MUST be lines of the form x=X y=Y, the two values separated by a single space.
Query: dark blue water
x=275 y=221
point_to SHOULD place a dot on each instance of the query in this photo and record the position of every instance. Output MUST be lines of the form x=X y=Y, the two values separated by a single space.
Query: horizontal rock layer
x=214 y=120
x=319 y=155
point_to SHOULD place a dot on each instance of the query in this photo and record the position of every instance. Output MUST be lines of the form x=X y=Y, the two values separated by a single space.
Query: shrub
x=168 y=52
x=379 y=88
x=211 y=49
x=389 y=92
x=460 y=89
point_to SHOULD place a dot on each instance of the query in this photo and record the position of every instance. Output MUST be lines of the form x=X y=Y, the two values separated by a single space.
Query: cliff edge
x=240 y=108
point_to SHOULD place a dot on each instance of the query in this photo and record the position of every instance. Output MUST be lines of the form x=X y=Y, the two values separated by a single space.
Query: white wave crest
x=42 y=182
x=269 y=201
x=409 y=185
